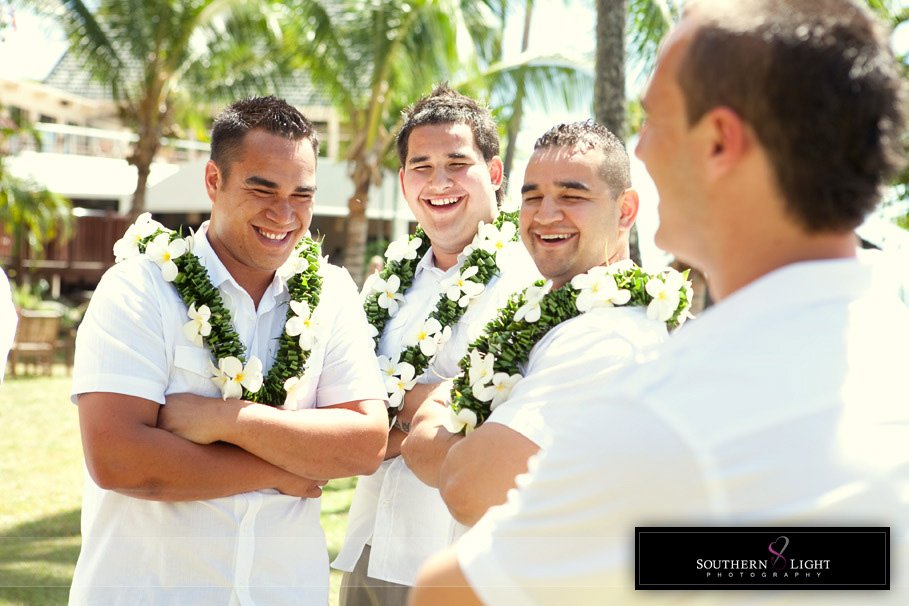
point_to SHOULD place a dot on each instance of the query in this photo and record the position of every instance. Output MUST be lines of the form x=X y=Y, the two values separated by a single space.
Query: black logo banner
x=762 y=558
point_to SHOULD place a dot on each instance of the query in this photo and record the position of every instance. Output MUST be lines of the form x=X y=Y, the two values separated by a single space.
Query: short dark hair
x=270 y=114
x=588 y=135
x=445 y=105
x=818 y=83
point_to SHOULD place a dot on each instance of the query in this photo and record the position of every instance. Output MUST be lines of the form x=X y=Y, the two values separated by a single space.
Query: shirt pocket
x=192 y=372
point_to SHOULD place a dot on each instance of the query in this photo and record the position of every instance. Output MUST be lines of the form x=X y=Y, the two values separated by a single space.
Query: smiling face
x=449 y=186
x=570 y=220
x=262 y=206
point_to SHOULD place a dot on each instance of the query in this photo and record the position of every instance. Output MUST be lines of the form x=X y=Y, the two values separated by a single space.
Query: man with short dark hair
x=576 y=214
x=437 y=287
x=771 y=126
x=204 y=469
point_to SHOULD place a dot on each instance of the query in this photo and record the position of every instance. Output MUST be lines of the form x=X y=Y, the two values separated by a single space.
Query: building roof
x=70 y=75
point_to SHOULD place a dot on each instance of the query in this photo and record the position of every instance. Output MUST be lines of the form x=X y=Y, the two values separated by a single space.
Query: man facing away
x=577 y=210
x=451 y=176
x=192 y=497
x=771 y=125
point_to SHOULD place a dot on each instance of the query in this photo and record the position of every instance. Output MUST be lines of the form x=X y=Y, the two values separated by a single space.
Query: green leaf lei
x=491 y=366
x=415 y=358
x=195 y=289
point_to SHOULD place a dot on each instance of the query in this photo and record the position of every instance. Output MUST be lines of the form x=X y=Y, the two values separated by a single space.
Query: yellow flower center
x=239 y=378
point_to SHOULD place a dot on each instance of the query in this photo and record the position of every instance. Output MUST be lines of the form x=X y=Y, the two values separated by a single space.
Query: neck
x=743 y=266
x=444 y=260
x=254 y=281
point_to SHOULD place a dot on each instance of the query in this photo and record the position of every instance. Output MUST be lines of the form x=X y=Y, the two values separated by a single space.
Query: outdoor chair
x=36 y=341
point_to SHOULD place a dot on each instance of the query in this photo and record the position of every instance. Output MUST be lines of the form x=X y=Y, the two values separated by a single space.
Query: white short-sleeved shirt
x=783 y=405
x=599 y=341
x=260 y=547
x=8 y=321
x=404 y=520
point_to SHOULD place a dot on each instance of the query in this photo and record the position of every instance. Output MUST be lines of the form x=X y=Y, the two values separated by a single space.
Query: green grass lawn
x=41 y=489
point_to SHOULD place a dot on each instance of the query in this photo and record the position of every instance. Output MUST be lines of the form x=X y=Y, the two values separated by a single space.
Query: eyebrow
x=263 y=182
x=452 y=155
x=573 y=185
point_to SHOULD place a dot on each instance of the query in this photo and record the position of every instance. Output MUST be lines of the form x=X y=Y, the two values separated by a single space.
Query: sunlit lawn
x=41 y=487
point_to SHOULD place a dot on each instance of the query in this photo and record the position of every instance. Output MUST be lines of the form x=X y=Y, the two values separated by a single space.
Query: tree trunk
x=356 y=231
x=514 y=125
x=609 y=86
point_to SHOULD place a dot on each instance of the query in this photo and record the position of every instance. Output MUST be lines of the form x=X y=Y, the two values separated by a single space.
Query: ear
x=628 y=209
x=401 y=181
x=496 y=171
x=728 y=138
x=212 y=179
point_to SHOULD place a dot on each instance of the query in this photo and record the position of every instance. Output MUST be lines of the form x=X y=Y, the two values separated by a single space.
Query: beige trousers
x=359 y=589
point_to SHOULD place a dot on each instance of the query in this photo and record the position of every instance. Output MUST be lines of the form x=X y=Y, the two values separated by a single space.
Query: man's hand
x=439 y=393
x=305 y=488
x=190 y=416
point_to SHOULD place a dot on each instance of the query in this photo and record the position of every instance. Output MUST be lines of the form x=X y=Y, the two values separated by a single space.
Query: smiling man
x=576 y=213
x=451 y=177
x=771 y=127
x=193 y=495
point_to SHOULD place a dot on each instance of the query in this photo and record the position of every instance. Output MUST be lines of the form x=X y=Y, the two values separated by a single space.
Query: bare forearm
x=217 y=470
x=428 y=444
x=126 y=453
x=320 y=443
x=480 y=470
x=395 y=438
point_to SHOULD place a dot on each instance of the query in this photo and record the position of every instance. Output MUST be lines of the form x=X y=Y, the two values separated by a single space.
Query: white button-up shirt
x=783 y=405
x=260 y=547
x=605 y=338
x=406 y=519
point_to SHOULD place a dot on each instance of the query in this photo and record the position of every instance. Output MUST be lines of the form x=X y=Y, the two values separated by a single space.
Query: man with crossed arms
x=576 y=213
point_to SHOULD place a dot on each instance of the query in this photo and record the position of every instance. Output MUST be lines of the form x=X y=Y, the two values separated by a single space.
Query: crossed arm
x=189 y=449
x=473 y=472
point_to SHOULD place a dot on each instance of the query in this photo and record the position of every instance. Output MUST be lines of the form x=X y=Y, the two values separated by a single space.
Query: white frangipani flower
x=598 y=289
x=499 y=390
x=494 y=240
x=295 y=264
x=231 y=376
x=389 y=297
x=128 y=245
x=430 y=336
x=295 y=388
x=399 y=378
x=403 y=248
x=530 y=311
x=163 y=252
x=302 y=324
x=198 y=325
x=461 y=288
x=465 y=419
x=665 y=293
x=372 y=332
x=480 y=372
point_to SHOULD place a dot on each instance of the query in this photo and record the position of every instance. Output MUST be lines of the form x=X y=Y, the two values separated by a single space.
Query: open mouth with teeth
x=273 y=236
x=554 y=239
x=443 y=202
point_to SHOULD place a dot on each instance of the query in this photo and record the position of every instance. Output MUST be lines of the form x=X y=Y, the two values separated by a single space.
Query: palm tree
x=373 y=58
x=28 y=211
x=158 y=56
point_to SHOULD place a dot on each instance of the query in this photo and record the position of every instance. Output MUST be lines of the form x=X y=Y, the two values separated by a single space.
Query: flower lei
x=491 y=364
x=210 y=322
x=385 y=296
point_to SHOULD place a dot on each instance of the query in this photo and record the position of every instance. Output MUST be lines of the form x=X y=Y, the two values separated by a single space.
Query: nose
x=280 y=210
x=549 y=211
x=440 y=179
